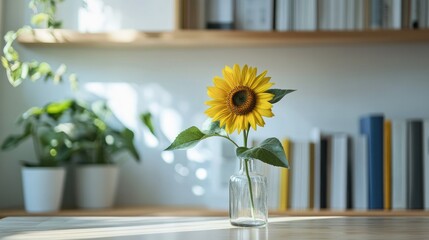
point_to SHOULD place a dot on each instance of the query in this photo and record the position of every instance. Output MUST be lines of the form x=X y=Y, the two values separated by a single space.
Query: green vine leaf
x=279 y=94
x=146 y=118
x=270 y=151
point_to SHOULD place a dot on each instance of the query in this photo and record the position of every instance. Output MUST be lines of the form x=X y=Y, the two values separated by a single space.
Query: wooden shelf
x=189 y=38
x=175 y=211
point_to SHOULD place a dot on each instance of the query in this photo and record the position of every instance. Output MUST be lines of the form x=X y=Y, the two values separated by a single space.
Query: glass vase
x=248 y=197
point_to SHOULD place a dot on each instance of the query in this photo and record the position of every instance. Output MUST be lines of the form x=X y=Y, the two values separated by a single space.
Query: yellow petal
x=252 y=120
x=265 y=112
x=216 y=93
x=221 y=83
x=259 y=79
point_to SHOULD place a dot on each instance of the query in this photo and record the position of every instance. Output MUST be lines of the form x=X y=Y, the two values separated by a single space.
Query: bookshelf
x=215 y=38
x=201 y=212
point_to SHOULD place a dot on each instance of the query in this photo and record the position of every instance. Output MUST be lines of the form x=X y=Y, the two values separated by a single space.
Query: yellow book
x=285 y=179
x=387 y=165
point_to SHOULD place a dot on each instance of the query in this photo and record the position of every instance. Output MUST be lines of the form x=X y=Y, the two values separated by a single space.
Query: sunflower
x=239 y=99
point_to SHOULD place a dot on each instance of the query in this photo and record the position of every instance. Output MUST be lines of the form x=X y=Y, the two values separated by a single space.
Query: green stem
x=246 y=162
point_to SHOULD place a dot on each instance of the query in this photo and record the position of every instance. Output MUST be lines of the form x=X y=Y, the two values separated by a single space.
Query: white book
x=396 y=14
x=414 y=19
x=359 y=15
x=341 y=18
x=284 y=15
x=300 y=176
x=387 y=14
x=399 y=164
x=298 y=12
x=350 y=14
x=426 y=163
x=339 y=168
x=360 y=173
x=311 y=15
x=316 y=139
x=427 y=11
x=324 y=14
x=423 y=14
x=254 y=15
x=273 y=180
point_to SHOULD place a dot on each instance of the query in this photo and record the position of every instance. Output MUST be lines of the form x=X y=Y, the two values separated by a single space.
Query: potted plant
x=43 y=180
x=98 y=135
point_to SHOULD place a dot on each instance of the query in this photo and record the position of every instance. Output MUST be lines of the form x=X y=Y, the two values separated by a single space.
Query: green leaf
x=188 y=138
x=279 y=94
x=14 y=140
x=146 y=118
x=128 y=137
x=58 y=107
x=270 y=151
x=39 y=19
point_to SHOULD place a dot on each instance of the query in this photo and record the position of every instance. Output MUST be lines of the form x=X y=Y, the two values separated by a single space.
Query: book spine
x=372 y=127
x=220 y=14
x=351 y=12
x=284 y=202
x=396 y=14
x=254 y=15
x=376 y=14
x=414 y=16
x=360 y=173
x=415 y=164
x=387 y=164
x=311 y=173
x=406 y=11
x=316 y=138
x=426 y=162
x=422 y=14
x=338 y=194
x=324 y=156
x=311 y=15
x=399 y=165
x=359 y=15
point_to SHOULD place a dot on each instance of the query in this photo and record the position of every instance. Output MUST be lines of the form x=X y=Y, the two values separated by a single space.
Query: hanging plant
x=17 y=70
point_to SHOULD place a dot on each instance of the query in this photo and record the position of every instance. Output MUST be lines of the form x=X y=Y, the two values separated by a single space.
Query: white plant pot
x=43 y=188
x=96 y=185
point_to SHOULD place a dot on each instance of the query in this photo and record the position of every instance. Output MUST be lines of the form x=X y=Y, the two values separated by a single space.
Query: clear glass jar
x=248 y=208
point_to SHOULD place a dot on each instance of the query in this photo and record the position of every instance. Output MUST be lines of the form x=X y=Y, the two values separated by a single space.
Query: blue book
x=372 y=127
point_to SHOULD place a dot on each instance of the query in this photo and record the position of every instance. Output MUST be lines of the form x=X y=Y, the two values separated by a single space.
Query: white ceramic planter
x=43 y=188
x=96 y=185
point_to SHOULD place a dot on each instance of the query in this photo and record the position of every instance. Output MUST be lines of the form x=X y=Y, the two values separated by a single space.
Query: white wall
x=336 y=84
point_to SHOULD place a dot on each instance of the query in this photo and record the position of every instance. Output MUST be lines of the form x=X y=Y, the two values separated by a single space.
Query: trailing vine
x=17 y=70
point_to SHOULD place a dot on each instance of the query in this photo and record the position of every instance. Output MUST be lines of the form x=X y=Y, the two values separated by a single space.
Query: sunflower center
x=241 y=100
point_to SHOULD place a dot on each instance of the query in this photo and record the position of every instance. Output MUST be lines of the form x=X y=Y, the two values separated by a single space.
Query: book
x=422 y=13
x=372 y=127
x=387 y=173
x=322 y=15
x=360 y=173
x=300 y=176
x=305 y=15
x=285 y=181
x=350 y=14
x=325 y=166
x=376 y=14
x=396 y=14
x=316 y=141
x=414 y=14
x=399 y=165
x=415 y=164
x=426 y=162
x=254 y=15
x=219 y=14
x=339 y=170
x=194 y=14
x=359 y=14
x=406 y=12
x=284 y=15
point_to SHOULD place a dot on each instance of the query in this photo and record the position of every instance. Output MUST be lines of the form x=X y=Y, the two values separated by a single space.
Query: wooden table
x=322 y=227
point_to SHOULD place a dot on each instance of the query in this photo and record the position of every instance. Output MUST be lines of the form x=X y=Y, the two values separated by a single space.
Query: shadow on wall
x=204 y=169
